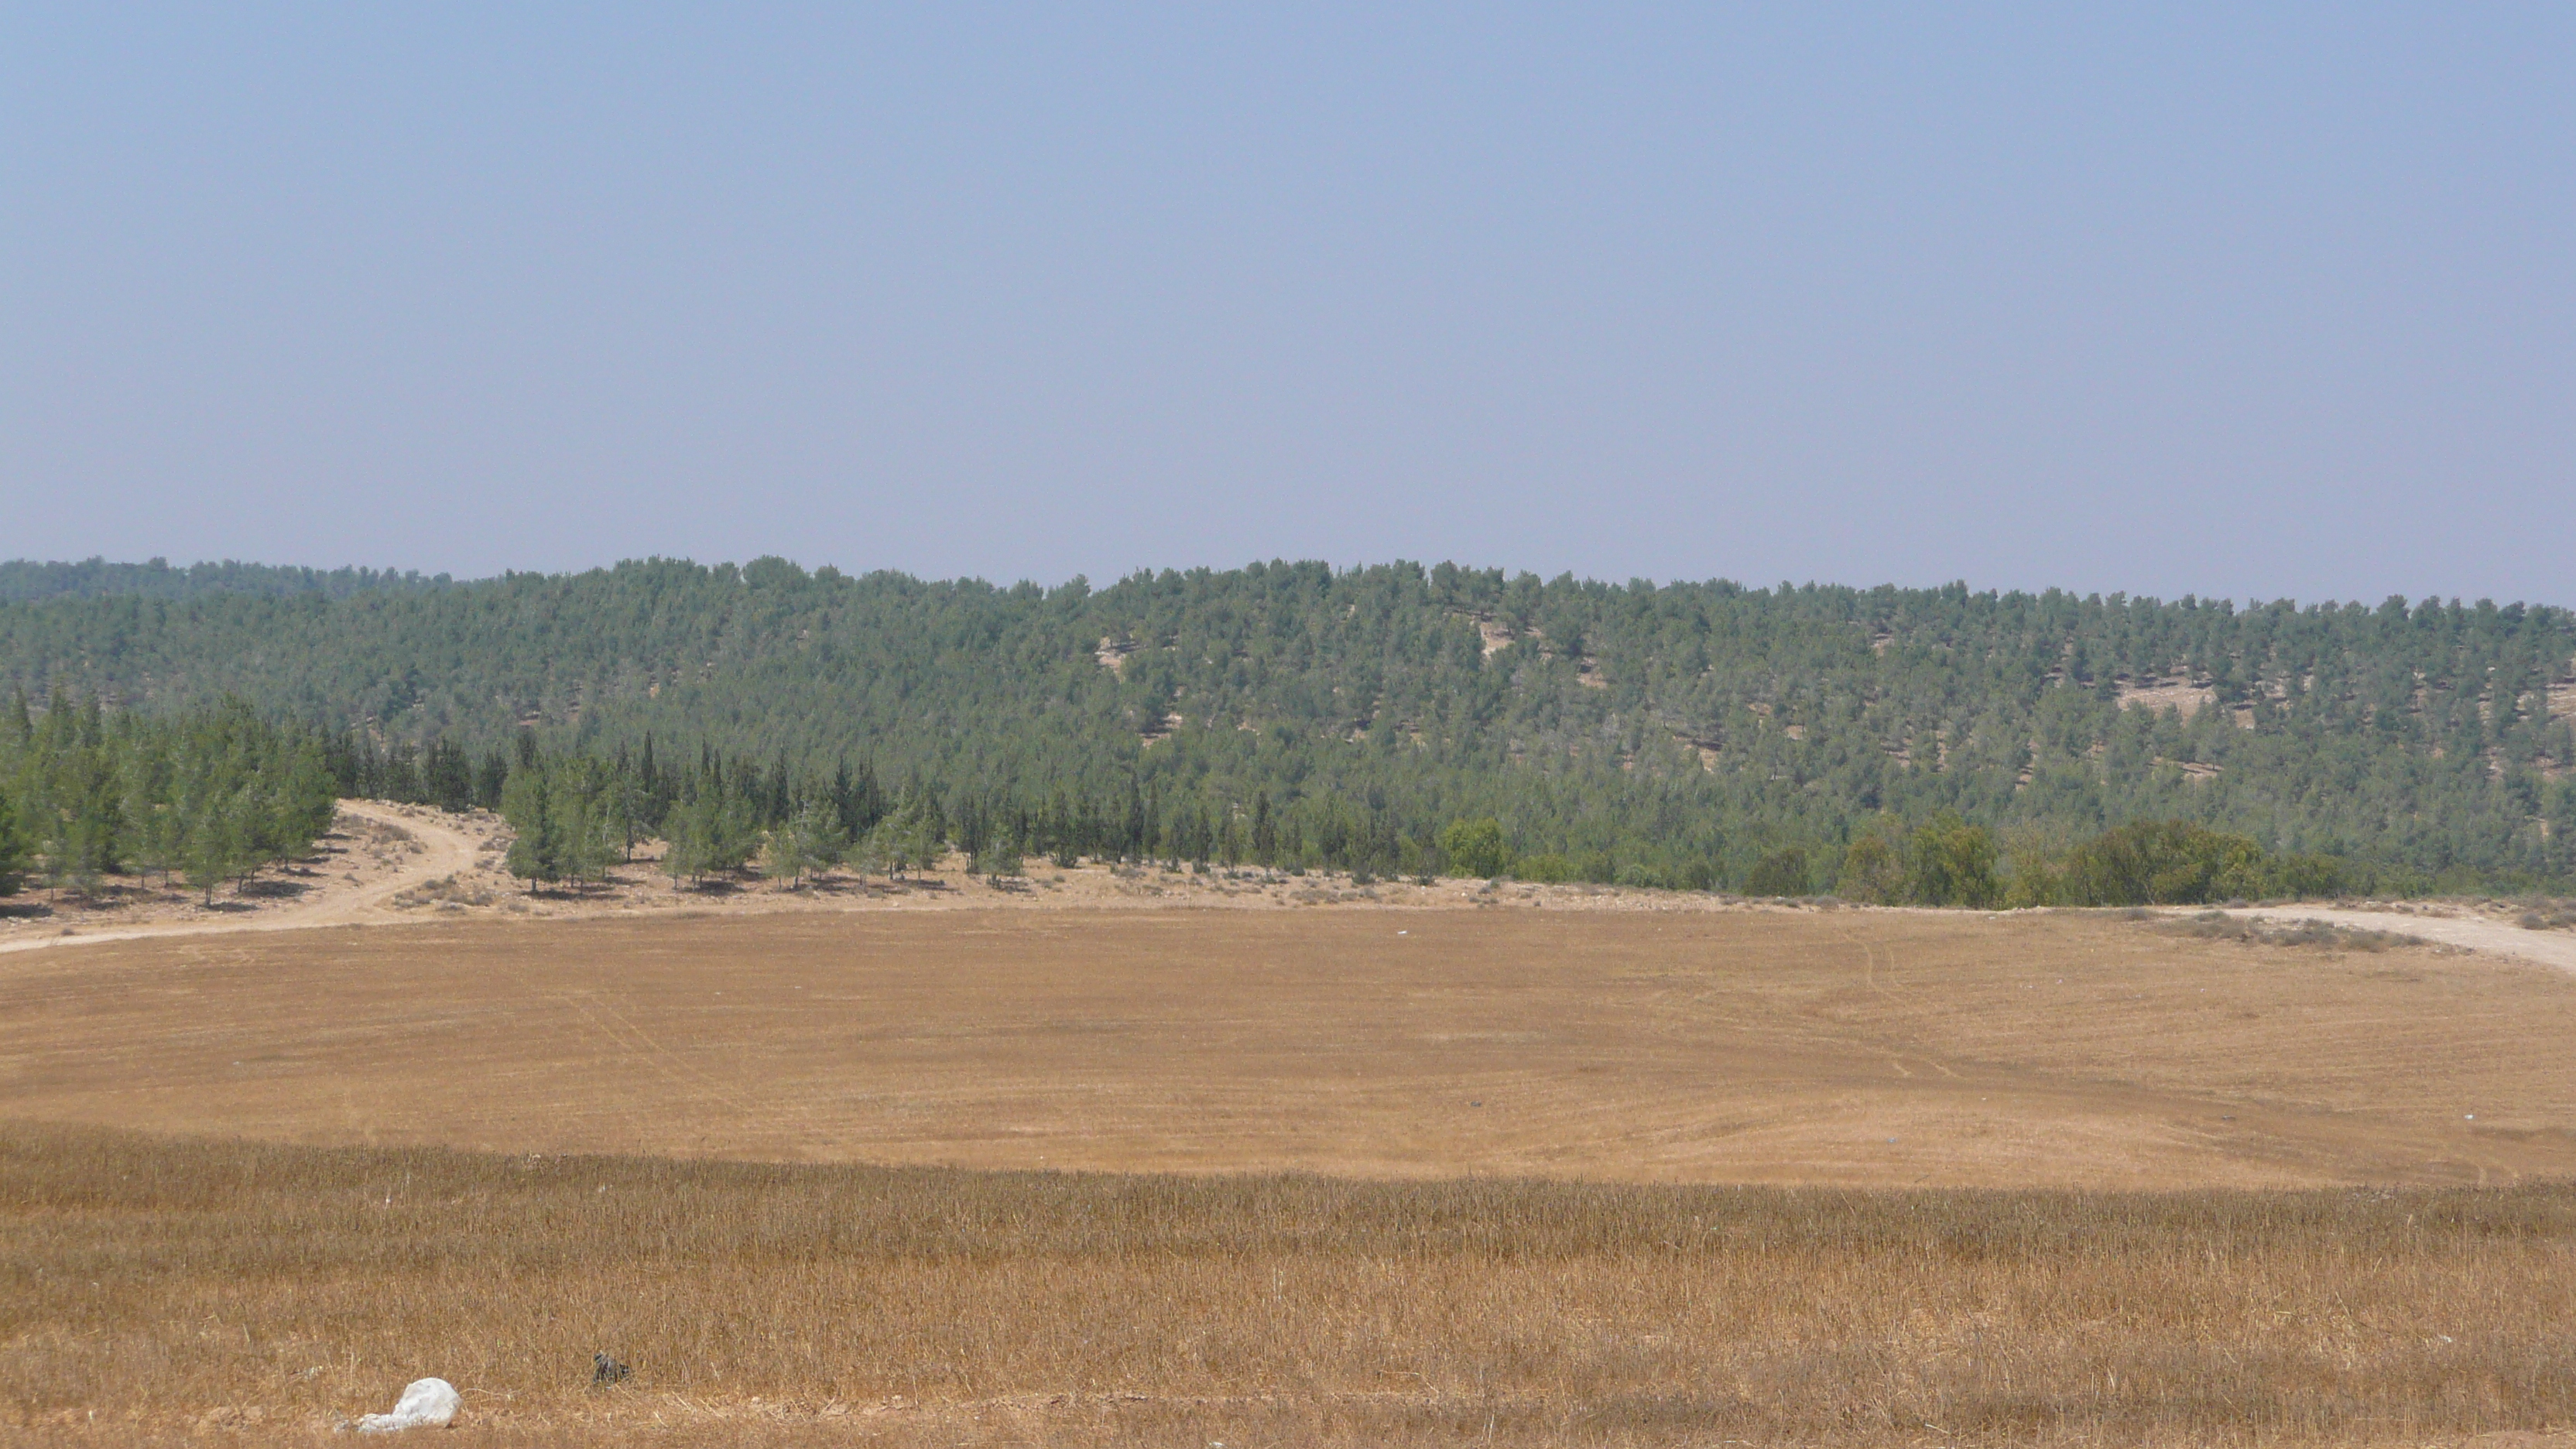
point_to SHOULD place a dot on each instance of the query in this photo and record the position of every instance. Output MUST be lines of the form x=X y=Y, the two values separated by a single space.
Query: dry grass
x=2220 y=926
x=2543 y=913
x=182 y=1290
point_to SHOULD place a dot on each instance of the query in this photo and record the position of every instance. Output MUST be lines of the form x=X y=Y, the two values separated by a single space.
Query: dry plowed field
x=1828 y=1047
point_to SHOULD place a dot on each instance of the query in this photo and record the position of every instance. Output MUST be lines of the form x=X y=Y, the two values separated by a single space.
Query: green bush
x=1475 y=848
x=1952 y=864
x=2166 y=863
x=1550 y=868
x=1781 y=872
x=1872 y=874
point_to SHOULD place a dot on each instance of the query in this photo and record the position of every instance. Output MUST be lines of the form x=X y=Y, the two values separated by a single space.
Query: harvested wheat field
x=1860 y=1047
x=1353 y=1176
x=175 y=1292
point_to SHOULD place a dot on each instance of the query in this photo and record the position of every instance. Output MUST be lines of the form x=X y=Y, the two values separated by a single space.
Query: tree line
x=1947 y=862
x=210 y=796
x=216 y=794
x=574 y=816
x=1686 y=734
x=24 y=581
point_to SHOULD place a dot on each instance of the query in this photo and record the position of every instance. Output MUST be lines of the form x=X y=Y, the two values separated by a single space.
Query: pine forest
x=1939 y=745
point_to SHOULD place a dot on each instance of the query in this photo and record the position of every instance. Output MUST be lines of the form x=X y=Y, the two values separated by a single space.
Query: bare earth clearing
x=375 y=853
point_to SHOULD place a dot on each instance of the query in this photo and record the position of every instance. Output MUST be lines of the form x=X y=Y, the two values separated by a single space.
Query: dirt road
x=429 y=848
x=2474 y=933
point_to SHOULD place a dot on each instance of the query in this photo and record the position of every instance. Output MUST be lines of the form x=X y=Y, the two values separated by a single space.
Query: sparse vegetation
x=2220 y=926
x=2542 y=914
x=442 y=891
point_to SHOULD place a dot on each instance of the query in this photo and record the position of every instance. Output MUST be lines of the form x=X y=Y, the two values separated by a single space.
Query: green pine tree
x=526 y=803
x=13 y=849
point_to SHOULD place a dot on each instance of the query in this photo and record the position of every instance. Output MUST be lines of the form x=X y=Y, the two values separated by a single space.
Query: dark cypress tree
x=340 y=757
x=447 y=776
x=857 y=799
x=777 y=803
x=367 y=773
x=491 y=778
x=840 y=794
x=402 y=776
x=13 y=845
x=659 y=789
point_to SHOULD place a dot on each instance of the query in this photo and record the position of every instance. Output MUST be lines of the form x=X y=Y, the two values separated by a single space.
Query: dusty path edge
x=447 y=850
x=2487 y=937
x=444 y=851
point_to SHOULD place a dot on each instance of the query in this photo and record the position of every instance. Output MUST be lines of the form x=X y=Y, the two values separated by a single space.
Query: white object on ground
x=426 y=1404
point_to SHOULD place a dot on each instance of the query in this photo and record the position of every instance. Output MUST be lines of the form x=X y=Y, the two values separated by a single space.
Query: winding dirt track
x=444 y=850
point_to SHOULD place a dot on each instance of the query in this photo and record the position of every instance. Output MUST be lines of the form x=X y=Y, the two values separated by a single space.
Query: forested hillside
x=23 y=581
x=1683 y=734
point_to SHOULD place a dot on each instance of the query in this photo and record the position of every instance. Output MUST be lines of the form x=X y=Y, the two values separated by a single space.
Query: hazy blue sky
x=2227 y=299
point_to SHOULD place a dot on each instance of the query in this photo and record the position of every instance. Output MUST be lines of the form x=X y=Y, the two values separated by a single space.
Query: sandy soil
x=1829 y=1047
x=2484 y=927
x=374 y=853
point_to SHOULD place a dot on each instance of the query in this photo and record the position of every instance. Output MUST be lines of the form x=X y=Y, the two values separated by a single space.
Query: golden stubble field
x=1858 y=1047
x=1342 y=1176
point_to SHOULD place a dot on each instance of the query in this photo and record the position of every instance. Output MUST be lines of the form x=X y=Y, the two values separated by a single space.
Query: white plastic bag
x=426 y=1404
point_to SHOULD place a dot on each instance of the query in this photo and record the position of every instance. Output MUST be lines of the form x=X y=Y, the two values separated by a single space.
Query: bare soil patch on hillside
x=1866 y=1048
